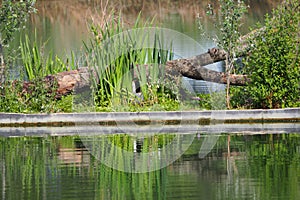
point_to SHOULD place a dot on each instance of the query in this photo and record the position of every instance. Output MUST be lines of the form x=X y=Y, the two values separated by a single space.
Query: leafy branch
x=13 y=14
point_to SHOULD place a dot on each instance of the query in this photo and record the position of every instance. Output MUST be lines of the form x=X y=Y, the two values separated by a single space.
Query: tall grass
x=129 y=69
x=37 y=64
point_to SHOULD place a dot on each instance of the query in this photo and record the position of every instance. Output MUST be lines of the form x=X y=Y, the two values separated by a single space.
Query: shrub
x=32 y=97
x=274 y=62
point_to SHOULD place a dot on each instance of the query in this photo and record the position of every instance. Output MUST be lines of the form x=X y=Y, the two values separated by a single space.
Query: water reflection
x=238 y=167
x=76 y=156
x=65 y=23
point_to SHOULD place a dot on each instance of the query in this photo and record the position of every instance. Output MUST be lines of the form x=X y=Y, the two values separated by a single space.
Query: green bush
x=12 y=16
x=36 y=96
x=274 y=62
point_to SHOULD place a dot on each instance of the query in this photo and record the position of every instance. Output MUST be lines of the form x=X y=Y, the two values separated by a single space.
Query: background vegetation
x=274 y=62
x=273 y=65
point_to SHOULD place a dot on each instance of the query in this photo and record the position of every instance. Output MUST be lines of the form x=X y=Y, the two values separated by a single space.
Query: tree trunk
x=194 y=68
x=2 y=65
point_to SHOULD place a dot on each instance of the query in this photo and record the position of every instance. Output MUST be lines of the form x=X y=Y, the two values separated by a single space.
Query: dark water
x=238 y=167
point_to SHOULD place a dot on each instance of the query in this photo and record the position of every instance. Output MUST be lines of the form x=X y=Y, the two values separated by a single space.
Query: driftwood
x=194 y=68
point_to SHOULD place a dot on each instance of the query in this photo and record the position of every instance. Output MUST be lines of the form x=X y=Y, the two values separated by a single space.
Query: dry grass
x=82 y=11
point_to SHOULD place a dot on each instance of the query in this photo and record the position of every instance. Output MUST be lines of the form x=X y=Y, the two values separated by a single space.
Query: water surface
x=238 y=167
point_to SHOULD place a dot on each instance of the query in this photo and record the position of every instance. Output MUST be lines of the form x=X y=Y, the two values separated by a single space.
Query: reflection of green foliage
x=25 y=165
x=149 y=143
x=268 y=166
x=278 y=163
x=32 y=168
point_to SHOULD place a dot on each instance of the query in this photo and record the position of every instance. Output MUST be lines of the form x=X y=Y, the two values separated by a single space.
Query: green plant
x=38 y=65
x=274 y=62
x=12 y=16
x=229 y=22
x=32 y=97
x=121 y=60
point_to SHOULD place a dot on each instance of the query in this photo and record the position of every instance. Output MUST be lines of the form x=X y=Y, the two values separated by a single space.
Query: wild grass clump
x=37 y=64
x=130 y=71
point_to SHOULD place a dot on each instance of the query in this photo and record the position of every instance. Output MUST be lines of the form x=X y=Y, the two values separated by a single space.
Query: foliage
x=39 y=97
x=211 y=101
x=121 y=59
x=231 y=14
x=35 y=62
x=274 y=62
x=12 y=16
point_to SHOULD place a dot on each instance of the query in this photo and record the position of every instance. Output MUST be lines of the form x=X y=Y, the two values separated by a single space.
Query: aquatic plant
x=128 y=72
x=37 y=64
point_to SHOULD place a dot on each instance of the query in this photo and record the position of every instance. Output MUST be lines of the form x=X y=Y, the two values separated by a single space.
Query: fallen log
x=80 y=79
x=192 y=67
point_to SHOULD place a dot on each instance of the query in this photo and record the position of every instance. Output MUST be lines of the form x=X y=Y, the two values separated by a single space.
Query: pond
x=60 y=163
x=238 y=166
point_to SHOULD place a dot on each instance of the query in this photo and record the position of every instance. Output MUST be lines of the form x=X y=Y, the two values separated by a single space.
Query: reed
x=122 y=58
x=37 y=64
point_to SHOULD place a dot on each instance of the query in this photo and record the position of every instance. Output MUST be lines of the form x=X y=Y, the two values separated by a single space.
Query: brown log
x=69 y=80
x=194 y=68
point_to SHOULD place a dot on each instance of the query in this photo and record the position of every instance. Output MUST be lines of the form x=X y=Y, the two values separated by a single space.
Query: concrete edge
x=214 y=129
x=218 y=116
